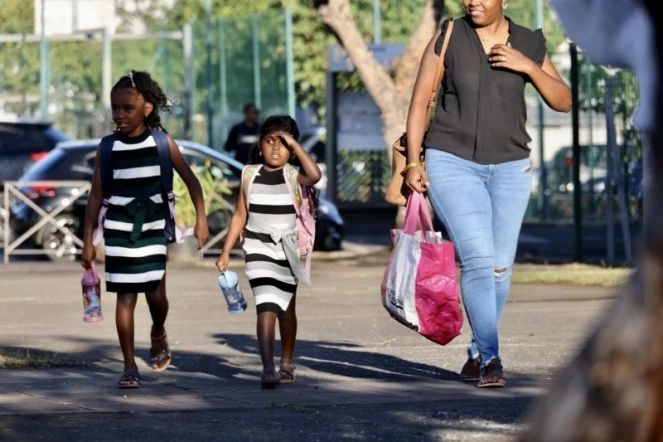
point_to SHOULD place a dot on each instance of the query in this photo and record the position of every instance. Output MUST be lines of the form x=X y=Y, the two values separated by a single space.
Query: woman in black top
x=478 y=173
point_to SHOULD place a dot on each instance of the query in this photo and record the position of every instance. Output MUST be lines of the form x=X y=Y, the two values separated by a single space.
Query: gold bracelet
x=412 y=165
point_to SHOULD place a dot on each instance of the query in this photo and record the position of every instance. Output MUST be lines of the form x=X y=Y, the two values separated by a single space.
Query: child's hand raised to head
x=287 y=138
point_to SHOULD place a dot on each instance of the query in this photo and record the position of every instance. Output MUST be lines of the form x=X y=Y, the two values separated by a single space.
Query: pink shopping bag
x=419 y=287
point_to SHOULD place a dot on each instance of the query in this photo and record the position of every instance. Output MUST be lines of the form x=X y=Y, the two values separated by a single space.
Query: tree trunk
x=391 y=97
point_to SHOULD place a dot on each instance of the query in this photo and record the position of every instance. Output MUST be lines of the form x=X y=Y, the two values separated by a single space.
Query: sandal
x=270 y=379
x=492 y=376
x=471 y=371
x=130 y=379
x=165 y=357
x=287 y=377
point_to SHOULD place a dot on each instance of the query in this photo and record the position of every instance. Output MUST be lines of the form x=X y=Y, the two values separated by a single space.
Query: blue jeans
x=482 y=208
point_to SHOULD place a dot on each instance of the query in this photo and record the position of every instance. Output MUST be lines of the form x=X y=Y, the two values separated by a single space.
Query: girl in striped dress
x=266 y=216
x=134 y=236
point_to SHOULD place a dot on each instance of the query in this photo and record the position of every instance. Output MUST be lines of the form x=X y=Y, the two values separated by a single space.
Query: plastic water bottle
x=229 y=283
x=91 y=286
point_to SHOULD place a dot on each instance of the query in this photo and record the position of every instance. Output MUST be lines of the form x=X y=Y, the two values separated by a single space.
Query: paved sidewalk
x=361 y=375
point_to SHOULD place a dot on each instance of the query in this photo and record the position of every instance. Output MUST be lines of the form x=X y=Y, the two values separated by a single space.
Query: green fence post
x=256 y=61
x=290 y=62
x=44 y=65
x=223 y=87
x=577 y=190
x=377 y=22
x=210 y=96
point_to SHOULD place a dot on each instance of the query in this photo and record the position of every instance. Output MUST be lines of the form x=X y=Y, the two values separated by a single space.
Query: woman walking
x=477 y=171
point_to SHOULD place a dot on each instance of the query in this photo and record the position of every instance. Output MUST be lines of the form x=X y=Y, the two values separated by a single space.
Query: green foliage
x=592 y=89
x=75 y=76
x=213 y=190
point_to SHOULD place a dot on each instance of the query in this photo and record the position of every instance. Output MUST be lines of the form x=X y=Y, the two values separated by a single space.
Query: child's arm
x=237 y=225
x=310 y=173
x=94 y=201
x=200 y=231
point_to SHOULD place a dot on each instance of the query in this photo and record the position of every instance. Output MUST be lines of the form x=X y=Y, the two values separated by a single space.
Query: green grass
x=36 y=359
x=572 y=274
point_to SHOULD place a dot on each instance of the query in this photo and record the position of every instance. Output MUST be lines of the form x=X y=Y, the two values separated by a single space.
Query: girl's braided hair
x=150 y=90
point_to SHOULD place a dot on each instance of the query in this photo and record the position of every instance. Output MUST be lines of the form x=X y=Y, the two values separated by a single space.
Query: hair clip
x=131 y=77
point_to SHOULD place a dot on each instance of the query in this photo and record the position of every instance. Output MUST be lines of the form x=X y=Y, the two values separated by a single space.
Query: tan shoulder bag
x=397 y=192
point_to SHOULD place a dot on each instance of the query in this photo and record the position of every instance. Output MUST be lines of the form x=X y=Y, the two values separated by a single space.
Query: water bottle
x=229 y=283
x=91 y=286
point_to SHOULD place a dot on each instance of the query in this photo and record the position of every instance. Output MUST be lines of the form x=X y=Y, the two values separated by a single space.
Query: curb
x=350 y=253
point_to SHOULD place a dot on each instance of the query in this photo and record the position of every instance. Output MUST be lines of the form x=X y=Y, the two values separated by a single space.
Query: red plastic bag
x=419 y=288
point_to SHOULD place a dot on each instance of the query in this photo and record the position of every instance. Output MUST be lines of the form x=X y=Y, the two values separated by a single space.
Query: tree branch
x=376 y=78
x=407 y=65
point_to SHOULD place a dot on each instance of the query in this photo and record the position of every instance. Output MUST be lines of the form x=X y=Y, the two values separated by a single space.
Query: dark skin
x=129 y=112
x=276 y=149
x=251 y=116
x=493 y=30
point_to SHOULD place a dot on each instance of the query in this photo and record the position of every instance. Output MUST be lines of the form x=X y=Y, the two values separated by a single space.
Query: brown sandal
x=287 y=376
x=270 y=379
x=164 y=357
x=471 y=371
x=130 y=379
x=492 y=376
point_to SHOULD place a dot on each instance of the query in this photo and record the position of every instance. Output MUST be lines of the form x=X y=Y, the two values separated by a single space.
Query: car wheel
x=61 y=246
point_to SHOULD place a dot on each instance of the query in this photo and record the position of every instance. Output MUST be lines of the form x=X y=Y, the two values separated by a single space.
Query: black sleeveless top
x=481 y=113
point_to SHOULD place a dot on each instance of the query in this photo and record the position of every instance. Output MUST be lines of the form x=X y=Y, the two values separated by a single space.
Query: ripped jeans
x=482 y=208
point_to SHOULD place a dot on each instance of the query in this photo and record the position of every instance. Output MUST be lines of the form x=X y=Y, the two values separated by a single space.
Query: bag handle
x=438 y=73
x=417 y=210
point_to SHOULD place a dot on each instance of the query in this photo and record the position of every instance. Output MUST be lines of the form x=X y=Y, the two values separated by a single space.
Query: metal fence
x=363 y=175
x=552 y=191
x=256 y=65
x=249 y=62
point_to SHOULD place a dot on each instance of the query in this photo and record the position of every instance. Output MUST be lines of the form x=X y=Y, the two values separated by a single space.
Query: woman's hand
x=505 y=57
x=88 y=255
x=201 y=232
x=417 y=180
x=222 y=262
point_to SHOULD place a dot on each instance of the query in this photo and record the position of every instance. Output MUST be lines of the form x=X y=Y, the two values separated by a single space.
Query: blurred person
x=243 y=136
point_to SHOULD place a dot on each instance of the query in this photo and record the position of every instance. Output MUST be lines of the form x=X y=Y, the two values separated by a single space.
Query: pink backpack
x=302 y=201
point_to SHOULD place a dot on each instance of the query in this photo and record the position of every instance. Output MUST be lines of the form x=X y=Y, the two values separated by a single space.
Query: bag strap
x=106 y=151
x=165 y=160
x=440 y=69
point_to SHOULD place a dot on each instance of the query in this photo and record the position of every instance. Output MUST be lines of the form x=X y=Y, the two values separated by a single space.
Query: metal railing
x=78 y=190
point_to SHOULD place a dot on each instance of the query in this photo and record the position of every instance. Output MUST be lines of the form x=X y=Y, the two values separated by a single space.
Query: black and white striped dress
x=267 y=267
x=135 y=255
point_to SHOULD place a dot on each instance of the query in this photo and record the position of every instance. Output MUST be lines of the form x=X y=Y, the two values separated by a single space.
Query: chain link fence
x=556 y=202
x=248 y=65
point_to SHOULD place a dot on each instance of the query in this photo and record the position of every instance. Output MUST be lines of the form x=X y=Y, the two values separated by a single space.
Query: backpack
x=171 y=231
x=301 y=200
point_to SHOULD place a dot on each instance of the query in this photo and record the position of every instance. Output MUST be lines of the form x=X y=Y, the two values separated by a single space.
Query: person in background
x=243 y=136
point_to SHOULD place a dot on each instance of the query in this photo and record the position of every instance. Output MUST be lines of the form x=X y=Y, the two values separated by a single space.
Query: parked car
x=74 y=161
x=24 y=143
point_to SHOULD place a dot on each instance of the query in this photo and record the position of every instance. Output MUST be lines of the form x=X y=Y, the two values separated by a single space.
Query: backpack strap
x=248 y=175
x=165 y=160
x=106 y=172
x=172 y=231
